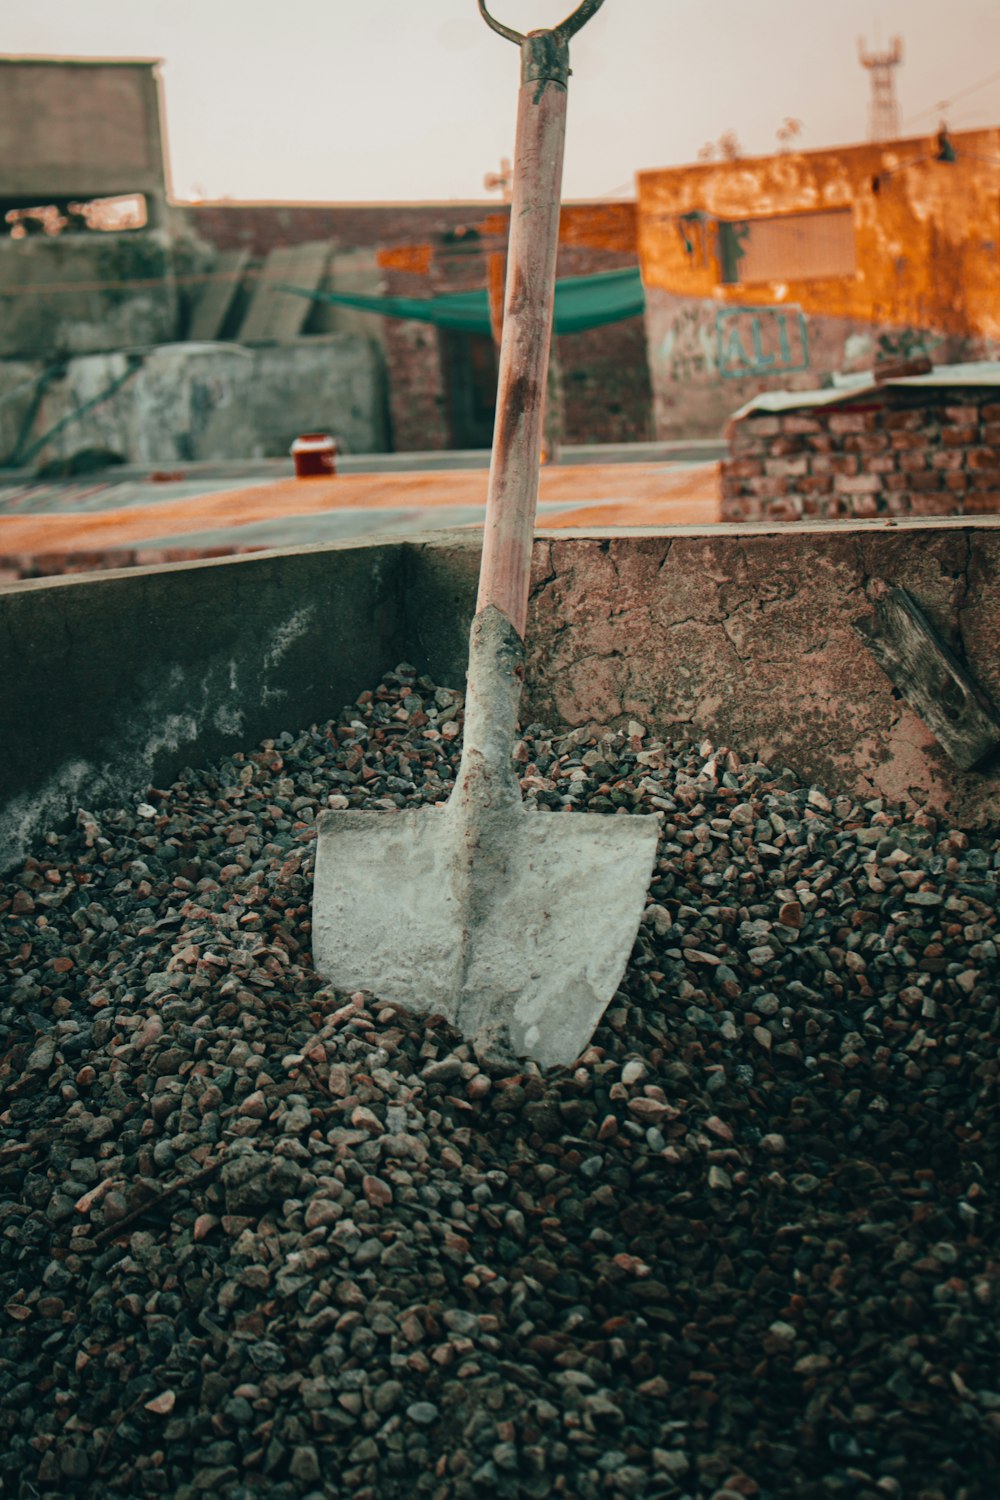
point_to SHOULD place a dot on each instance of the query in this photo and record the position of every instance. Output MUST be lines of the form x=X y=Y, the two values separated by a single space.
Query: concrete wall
x=117 y=683
x=741 y=634
x=81 y=293
x=187 y=402
x=707 y=358
x=79 y=129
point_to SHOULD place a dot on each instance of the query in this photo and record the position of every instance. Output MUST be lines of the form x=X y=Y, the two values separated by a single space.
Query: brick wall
x=606 y=393
x=260 y=227
x=898 y=451
x=430 y=249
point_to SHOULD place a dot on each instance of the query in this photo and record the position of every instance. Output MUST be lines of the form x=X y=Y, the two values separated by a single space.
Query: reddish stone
x=932 y=505
x=799 y=424
x=903 y=421
x=787 y=466
x=981 y=503
x=857 y=484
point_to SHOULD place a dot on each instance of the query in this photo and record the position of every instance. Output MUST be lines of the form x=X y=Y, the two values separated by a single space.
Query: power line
x=944 y=104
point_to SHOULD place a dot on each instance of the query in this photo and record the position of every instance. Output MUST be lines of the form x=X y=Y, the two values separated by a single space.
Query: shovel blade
x=528 y=961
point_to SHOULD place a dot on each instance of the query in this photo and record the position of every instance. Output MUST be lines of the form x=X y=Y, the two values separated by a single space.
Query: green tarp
x=581 y=302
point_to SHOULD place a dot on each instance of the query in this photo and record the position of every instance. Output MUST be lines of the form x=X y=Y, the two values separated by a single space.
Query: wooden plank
x=931 y=679
x=217 y=296
x=276 y=317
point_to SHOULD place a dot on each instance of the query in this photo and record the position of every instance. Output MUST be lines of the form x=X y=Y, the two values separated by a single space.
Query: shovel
x=514 y=925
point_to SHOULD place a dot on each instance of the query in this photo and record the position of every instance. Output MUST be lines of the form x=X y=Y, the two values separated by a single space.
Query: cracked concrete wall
x=745 y=635
x=191 y=402
x=741 y=634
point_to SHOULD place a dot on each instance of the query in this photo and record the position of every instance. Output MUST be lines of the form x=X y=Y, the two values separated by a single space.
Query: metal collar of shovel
x=515 y=925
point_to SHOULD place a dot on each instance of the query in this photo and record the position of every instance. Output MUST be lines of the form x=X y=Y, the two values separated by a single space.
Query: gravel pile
x=261 y=1239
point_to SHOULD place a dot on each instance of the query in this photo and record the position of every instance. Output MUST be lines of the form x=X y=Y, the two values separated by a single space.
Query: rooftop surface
x=239 y=507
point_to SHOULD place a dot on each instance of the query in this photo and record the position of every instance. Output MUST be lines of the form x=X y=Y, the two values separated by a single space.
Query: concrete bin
x=743 y=634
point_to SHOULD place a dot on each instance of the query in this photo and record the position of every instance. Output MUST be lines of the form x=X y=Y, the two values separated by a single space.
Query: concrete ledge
x=743 y=634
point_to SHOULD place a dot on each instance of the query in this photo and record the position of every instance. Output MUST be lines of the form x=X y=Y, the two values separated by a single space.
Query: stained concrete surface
x=743 y=634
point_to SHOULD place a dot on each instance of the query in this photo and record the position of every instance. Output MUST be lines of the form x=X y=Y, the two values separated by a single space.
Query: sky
x=376 y=100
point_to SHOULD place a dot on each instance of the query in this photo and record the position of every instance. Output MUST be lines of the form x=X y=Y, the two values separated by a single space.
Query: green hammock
x=581 y=302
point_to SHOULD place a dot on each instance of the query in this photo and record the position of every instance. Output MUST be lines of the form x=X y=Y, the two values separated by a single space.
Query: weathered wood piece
x=931 y=679
x=274 y=316
x=217 y=296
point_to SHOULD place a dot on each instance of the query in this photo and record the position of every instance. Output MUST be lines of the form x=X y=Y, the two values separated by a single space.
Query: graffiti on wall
x=761 y=341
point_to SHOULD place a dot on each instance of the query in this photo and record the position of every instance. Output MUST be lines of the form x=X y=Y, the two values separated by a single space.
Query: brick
x=858 y=484
x=822 y=444
x=740 y=510
x=742 y=468
x=959 y=437
x=866 y=442
x=787 y=466
x=990 y=412
x=763 y=426
x=781 y=447
x=880 y=463
x=991 y=433
x=931 y=505
x=909 y=441
x=926 y=482
x=963 y=415
x=981 y=458
x=912 y=459
x=814 y=484
x=788 y=509
x=799 y=424
x=865 y=506
x=955 y=481
x=741 y=441
x=852 y=421
x=946 y=458
x=984 y=479
x=903 y=421
x=981 y=503
x=895 y=482
x=771 y=487
x=836 y=463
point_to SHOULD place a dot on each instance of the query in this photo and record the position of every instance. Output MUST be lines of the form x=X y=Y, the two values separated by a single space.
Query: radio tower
x=883 y=112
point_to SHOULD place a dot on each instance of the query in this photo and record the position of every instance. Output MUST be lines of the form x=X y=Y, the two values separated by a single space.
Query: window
x=788 y=247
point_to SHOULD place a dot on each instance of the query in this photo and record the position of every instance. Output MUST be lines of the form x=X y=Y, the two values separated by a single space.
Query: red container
x=313 y=454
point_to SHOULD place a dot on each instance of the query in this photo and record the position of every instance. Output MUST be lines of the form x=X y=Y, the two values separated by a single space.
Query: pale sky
x=377 y=100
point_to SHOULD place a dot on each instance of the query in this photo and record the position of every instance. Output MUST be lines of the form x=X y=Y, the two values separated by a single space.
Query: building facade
x=789 y=270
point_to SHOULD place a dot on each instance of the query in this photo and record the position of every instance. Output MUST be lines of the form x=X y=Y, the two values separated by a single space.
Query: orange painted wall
x=612 y=227
x=927 y=244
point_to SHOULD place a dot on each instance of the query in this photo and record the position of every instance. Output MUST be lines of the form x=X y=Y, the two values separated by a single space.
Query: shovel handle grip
x=563 y=31
x=529 y=298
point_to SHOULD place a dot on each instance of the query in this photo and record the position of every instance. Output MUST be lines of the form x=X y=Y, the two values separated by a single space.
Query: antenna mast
x=883 y=111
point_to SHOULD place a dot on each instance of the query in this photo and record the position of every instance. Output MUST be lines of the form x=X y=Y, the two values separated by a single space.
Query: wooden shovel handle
x=527 y=328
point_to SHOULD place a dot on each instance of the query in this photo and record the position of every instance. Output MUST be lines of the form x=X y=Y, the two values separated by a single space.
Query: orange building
x=788 y=270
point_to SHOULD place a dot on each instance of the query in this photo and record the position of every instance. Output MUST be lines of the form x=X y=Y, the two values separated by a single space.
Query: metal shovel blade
x=515 y=925
x=539 y=963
